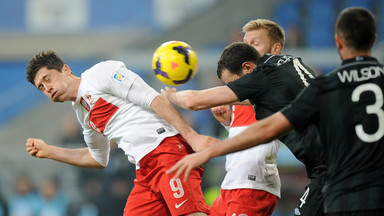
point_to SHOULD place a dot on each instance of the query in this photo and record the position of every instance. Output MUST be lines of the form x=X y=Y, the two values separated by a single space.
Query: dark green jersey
x=275 y=82
x=347 y=106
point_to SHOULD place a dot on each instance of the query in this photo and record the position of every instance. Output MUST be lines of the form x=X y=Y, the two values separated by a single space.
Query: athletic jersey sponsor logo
x=160 y=130
x=180 y=204
x=100 y=115
x=118 y=76
x=252 y=177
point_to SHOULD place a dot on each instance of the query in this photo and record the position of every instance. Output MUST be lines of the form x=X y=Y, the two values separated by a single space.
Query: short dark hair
x=47 y=59
x=234 y=55
x=357 y=26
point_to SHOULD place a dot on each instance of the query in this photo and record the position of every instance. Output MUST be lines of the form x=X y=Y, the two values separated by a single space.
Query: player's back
x=273 y=84
x=276 y=81
x=351 y=125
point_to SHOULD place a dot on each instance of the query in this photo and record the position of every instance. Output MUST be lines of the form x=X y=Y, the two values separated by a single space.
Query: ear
x=339 y=42
x=276 y=49
x=66 y=69
x=248 y=67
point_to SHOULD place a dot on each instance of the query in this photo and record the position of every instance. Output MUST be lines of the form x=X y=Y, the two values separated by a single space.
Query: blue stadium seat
x=380 y=24
x=321 y=17
x=120 y=13
x=321 y=12
x=12 y=16
x=288 y=13
x=319 y=36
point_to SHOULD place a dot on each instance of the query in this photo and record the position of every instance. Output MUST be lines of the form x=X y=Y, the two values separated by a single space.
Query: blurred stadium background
x=85 y=32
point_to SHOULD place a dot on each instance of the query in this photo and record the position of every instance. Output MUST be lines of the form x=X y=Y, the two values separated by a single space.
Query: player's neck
x=348 y=54
x=76 y=85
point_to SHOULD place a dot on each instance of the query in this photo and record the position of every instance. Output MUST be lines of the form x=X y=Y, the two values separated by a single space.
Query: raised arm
x=77 y=157
x=260 y=132
x=200 y=99
x=165 y=110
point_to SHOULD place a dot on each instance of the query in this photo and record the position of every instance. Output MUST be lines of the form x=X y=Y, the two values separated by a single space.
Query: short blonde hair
x=275 y=32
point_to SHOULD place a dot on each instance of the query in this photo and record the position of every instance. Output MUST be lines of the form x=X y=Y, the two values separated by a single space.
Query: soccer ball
x=174 y=63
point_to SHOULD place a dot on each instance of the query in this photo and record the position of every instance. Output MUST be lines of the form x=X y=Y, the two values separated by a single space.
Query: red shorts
x=244 y=202
x=157 y=193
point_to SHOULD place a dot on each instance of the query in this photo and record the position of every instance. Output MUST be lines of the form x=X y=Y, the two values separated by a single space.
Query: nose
x=48 y=88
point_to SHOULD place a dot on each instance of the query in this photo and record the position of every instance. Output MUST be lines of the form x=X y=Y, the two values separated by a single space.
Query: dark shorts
x=311 y=203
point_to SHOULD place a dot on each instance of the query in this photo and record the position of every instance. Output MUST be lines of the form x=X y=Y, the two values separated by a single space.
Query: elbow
x=99 y=166
x=193 y=105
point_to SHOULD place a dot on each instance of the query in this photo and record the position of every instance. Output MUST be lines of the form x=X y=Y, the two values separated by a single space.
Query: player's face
x=54 y=84
x=227 y=76
x=259 y=39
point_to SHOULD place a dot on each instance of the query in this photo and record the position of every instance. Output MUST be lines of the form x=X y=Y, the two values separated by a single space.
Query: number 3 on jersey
x=375 y=109
x=176 y=187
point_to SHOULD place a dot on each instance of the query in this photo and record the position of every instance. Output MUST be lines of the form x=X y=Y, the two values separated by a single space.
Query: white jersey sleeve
x=97 y=146
x=123 y=83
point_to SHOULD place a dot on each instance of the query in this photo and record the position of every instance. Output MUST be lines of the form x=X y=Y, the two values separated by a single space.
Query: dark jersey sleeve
x=249 y=86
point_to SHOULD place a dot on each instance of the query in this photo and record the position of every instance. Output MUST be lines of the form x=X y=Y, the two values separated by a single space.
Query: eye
x=40 y=87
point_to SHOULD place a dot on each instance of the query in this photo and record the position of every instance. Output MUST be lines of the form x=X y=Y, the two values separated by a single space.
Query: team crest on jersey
x=84 y=103
x=118 y=76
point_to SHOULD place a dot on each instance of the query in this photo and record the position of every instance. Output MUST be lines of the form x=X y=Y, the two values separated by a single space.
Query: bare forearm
x=77 y=157
x=202 y=99
x=258 y=133
x=183 y=99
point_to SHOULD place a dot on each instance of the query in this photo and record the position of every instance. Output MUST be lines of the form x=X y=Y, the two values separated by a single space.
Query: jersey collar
x=359 y=59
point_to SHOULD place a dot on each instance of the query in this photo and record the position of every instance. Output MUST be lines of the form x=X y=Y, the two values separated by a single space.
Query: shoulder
x=105 y=66
x=273 y=61
x=108 y=70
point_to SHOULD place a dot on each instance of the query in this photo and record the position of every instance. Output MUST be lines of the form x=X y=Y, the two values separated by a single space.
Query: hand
x=188 y=163
x=200 y=142
x=167 y=90
x=37 y=148
x=222 y=114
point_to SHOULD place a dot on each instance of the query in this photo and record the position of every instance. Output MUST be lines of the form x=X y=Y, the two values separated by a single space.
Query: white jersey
x=113 y=103
x=253 y=168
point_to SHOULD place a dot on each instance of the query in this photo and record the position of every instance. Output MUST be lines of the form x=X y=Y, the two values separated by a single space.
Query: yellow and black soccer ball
x=174 y=63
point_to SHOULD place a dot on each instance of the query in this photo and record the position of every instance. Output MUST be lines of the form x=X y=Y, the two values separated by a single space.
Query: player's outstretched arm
x=188 y=163
x=200 y=99
x=77 y=157
x=258 y=133
x=166 y=111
